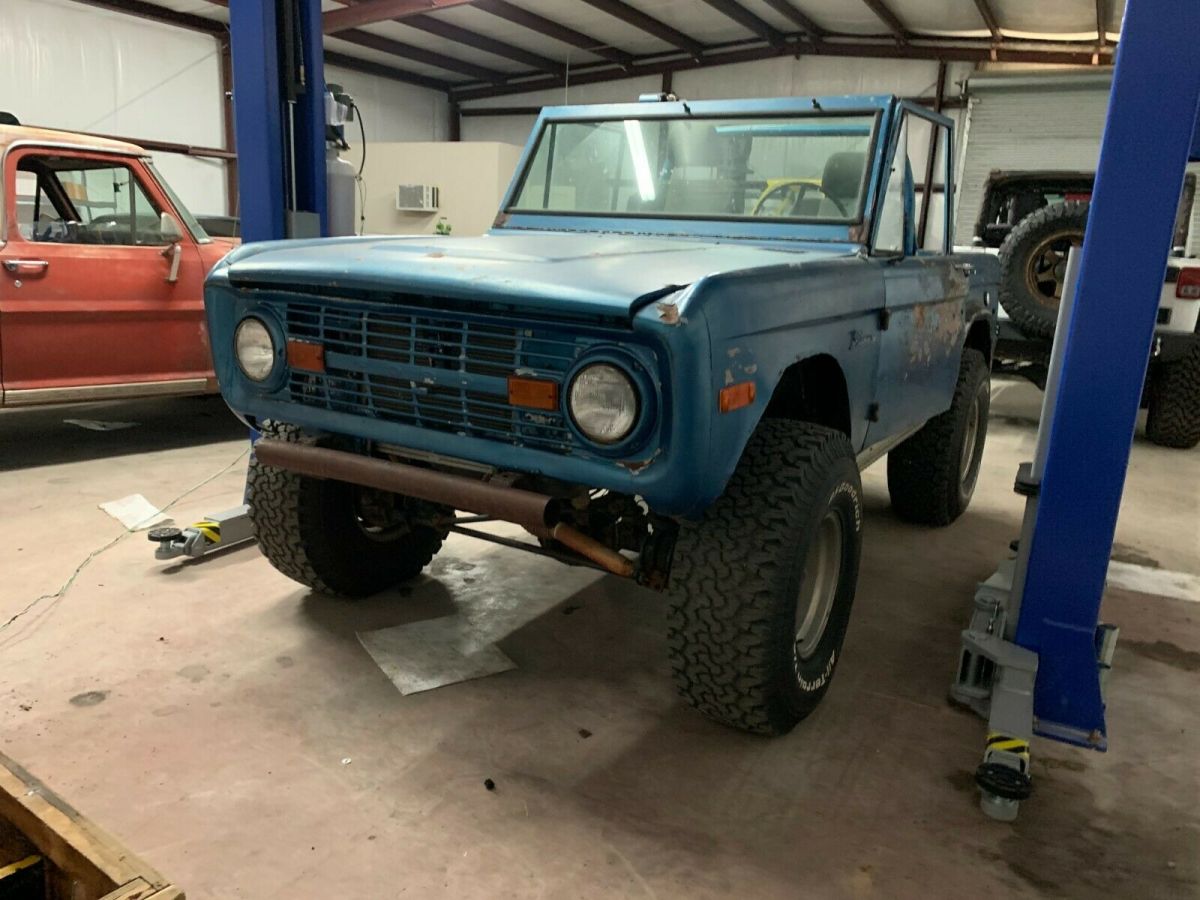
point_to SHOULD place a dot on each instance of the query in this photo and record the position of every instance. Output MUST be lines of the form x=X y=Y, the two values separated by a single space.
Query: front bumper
x=533 y=511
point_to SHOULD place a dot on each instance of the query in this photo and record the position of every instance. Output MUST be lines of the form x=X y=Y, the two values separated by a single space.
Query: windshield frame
x=857 y=219
x=768 y=228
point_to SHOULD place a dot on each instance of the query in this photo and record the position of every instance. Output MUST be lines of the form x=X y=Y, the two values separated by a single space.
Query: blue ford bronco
x=690 y=327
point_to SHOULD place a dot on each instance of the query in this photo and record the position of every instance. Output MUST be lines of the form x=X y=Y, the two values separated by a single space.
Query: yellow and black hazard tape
x=210 y=529
x=999 y=742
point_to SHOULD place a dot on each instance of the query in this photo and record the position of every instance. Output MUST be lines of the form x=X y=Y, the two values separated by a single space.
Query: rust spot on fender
x=669 y=313
x=637 y=465
x=936 y=332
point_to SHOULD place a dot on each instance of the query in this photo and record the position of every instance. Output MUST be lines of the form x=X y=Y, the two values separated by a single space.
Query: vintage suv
x=647 y=375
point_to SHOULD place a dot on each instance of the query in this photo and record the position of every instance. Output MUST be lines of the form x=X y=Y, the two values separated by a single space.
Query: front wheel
x=334 y=537
x=762 y=585
x=932 y=475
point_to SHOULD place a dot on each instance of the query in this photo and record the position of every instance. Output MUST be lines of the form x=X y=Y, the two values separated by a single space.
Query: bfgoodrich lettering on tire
x=762 y=586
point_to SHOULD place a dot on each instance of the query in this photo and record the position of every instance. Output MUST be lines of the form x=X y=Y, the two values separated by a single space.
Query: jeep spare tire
x=1033 y=265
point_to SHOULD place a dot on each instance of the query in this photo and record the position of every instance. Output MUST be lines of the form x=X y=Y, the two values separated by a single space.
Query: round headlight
x=255 y=349
x=603 y=403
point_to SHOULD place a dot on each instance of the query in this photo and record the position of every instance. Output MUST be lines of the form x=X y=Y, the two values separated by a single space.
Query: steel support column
x=1146 y=142
x=278 y=105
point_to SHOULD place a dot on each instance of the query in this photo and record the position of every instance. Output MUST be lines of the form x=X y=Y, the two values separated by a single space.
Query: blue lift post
x=279 y=117
x=1056 y=650
x=279 y=120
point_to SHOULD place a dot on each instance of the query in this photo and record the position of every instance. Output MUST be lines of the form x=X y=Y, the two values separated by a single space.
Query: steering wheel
x=799 y=188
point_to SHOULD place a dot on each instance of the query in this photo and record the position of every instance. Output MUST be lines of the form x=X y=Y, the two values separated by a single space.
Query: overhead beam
x=373 y=41
x=989 y=18
x=926 y=49
x=370 y=11
x=451 y=32
x=885 y=15
x=652 y=26
x=160 y=14
x=551 y=29
x=803 y=22
x=748 y=20
x=370 y=67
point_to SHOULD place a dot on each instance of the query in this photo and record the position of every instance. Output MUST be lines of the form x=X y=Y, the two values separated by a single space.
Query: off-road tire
x=1032 y=315
x=307 y=528
x=1173 y=412
x=738 y=572
x=925 y=472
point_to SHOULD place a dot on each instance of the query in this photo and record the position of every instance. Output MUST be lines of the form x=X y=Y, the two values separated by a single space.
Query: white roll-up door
x=1024 y=122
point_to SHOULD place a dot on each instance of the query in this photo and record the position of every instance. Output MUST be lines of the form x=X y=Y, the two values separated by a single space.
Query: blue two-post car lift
x=1034 y=656
x=280 y=126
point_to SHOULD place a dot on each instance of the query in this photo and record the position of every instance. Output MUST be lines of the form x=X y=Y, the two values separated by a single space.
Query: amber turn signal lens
x=735 y=396
x=532 y=393
x=306 y=355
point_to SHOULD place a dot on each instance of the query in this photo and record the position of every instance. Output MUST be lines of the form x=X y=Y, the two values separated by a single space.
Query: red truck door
x=100 y=293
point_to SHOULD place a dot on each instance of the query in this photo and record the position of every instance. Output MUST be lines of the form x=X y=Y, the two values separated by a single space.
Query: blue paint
x=310 y=116
x=257 y=103
x=686 y=305
x=1152 y=110
x=1194 y=155
x=261 y=118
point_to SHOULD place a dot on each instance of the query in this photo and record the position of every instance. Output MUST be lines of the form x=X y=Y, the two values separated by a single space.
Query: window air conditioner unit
x=416 y=198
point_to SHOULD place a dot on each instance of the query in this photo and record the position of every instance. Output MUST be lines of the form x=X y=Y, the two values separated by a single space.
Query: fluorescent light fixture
x=641 y=163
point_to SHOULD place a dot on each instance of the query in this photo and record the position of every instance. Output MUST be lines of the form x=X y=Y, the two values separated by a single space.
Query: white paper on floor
x=99 y=424
x=425 y=655
x=495 y=593
x=135 y=512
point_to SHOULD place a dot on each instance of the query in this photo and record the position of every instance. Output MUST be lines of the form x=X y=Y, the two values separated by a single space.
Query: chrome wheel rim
x=818 y=587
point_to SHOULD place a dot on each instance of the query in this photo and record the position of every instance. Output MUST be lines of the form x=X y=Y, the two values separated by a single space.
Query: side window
x=889 y=233
x=913 y=213
x=35 y=212
x=69 y=200
x=929 y=200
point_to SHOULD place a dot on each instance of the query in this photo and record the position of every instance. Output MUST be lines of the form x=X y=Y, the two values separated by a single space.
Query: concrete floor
x=228 y=726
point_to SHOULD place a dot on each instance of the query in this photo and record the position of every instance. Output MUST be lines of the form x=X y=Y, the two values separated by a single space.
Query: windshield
x=810 y=168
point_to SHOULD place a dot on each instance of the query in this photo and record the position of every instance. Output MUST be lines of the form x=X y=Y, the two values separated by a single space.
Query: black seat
x=841 y=182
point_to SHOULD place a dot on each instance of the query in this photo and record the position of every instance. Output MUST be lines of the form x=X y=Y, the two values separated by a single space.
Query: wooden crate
x=80 y=860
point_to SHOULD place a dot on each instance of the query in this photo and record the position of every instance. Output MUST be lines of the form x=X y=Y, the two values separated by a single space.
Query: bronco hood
x=595 y=274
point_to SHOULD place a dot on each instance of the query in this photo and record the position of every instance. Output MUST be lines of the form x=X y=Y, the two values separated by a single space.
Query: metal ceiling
x=473 y=49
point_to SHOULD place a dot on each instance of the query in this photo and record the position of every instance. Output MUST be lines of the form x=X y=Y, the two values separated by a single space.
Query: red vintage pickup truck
x=101 y=293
